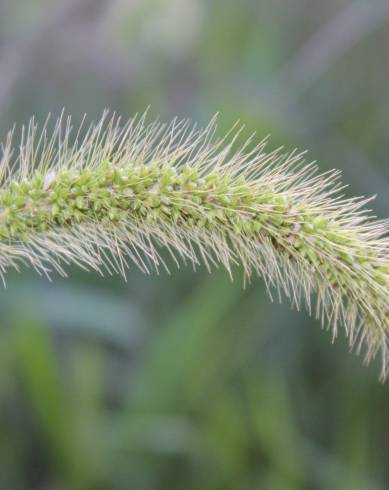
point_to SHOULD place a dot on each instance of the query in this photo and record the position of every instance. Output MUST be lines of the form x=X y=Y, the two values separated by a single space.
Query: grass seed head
x=124 y=191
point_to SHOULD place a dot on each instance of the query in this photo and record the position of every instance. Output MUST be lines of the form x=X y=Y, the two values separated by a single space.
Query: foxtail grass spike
x=111 y=194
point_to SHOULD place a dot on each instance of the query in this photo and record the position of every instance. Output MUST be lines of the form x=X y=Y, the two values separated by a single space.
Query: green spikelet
x=122 y=193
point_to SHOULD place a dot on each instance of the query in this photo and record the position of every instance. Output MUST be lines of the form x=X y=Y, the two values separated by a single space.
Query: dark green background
x=188 y=381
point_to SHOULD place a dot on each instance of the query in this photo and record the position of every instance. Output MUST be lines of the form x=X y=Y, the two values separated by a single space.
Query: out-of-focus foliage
x=189 y=381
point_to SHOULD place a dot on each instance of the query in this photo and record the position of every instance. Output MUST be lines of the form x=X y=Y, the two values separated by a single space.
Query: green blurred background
x=189 y=381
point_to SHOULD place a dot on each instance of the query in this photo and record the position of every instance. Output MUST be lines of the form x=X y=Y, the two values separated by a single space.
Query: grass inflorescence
x=123 y=193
